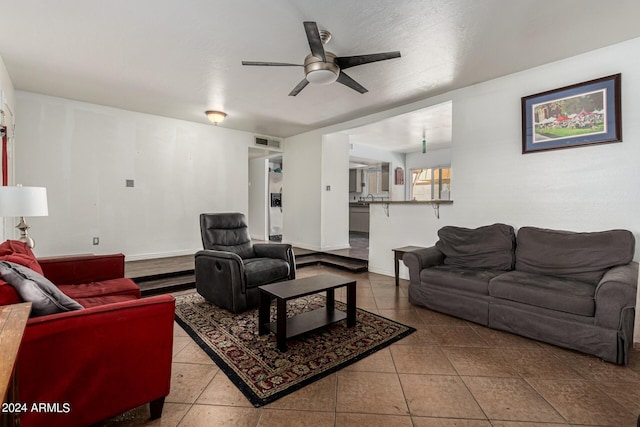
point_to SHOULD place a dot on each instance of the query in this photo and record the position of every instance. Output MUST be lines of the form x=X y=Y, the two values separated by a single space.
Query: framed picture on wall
x=581 y=114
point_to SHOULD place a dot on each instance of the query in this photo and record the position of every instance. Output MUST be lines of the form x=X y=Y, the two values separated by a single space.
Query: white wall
x=335 y=202
x=8 y=107
x=83 y=153
x=302 y=200
x=258 y=214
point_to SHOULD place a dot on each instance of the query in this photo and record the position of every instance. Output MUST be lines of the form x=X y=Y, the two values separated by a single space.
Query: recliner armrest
x=420 y=259
x=616 y=291
x=277 y=250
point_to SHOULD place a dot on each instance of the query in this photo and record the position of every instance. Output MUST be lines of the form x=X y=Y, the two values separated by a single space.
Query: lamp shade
x=23 y=201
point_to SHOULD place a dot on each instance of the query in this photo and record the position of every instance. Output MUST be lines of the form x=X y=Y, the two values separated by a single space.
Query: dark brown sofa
x=574 y=290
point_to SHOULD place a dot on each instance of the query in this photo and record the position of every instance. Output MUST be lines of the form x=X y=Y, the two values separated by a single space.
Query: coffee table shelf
x=309 y=321
x=285 y=327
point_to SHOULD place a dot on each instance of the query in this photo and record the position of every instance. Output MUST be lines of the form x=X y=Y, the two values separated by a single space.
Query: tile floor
x=448 y=373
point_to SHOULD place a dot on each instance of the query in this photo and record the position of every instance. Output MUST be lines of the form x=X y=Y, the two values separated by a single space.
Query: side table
x=13 y=320
x=398 y=253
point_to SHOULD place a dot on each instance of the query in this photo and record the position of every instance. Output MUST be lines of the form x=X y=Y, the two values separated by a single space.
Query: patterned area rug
x=254 y=364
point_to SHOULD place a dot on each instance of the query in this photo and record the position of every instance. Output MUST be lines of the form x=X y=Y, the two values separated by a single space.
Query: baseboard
x=154 y=255
x=379 y=270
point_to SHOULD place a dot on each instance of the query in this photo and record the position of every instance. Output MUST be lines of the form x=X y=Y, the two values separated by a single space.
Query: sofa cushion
x=464 y=279
x=260 y=271
x=578 y=256
x=490 y=247
x=113 y=287
x=19 y=253
x=8 y=294
x=555 y=293
x=32 y=287
x=89 y=302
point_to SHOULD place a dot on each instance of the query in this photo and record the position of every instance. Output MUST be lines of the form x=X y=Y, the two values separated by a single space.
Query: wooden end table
x=398 y=253
x=291 y=289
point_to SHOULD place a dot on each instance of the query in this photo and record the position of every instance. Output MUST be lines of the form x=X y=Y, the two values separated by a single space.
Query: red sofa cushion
x=89 y=302
x=8 y=294
x=113 y=287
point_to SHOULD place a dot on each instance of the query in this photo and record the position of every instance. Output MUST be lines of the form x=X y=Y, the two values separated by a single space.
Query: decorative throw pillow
x=20 y=253
x=489 y=248
x=32 y=287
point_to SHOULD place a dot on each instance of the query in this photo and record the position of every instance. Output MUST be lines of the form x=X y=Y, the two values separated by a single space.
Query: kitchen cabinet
x=355 y=180
x=359 y=218
x=385 y=177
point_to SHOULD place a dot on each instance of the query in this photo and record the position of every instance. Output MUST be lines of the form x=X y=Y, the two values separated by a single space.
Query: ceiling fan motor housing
x=319 y=72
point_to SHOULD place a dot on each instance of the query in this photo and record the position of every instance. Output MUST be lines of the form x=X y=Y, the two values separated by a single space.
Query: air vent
x=267 y=143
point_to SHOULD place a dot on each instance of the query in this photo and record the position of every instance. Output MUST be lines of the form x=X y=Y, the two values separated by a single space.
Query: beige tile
x=172 y=414
x=280 y=418
x=580 y=402
x=394 y=303
x=626 y=394
x=388 y=291
x=371 y=420
x=479 y=361
x=433 y=318
x=179 y=343
x=220 y=416
x=510 y=399
x=497 y=338
x=448 y=422
x=593 y=368
x=525 y=424
x=370 y=392
x=192 y=353
x=421 y=360
x=439 y=396
x=317 y=396
x=221 y=391
x=380 y=361
x=178 y=331
x=418 y=338
x=188 y=380
x=408 y=317
x=538 y=363
x=463 y=336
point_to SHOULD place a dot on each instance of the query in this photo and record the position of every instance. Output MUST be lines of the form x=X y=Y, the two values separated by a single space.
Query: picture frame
x=581 y=114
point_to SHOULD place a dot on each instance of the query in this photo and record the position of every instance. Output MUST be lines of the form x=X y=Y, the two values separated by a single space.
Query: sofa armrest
x=422 y=258
x=615 y=292
x=277 y=250
x=102 y=361
x=73 y=270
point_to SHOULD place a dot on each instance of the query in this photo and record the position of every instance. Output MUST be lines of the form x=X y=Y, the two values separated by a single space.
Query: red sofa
x=95 y=363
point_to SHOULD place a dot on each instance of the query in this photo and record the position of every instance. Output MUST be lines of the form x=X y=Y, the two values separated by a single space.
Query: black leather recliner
x=230 y=268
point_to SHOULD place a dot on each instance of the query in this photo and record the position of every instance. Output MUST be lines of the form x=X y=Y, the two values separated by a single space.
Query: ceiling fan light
x=215 y=116
x=321 y=77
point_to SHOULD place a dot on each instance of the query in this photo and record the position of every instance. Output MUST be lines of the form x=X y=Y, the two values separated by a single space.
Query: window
x=430 y=184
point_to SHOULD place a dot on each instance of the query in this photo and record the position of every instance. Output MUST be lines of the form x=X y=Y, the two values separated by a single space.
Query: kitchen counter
x=411 y=202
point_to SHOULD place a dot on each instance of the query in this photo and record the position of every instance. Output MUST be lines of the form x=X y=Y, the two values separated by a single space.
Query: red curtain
x=5 y=160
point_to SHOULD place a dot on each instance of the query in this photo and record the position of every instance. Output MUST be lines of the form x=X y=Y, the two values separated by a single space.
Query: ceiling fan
x=324 y=67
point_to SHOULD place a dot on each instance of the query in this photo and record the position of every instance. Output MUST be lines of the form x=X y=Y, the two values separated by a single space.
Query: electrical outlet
x=96 y=240
x=129 y=183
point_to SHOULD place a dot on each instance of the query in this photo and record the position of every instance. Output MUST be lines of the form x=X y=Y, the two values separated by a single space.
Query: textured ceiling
x=178 y=58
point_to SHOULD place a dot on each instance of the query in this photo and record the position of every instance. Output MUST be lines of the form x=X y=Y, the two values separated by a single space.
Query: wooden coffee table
x=291 y=289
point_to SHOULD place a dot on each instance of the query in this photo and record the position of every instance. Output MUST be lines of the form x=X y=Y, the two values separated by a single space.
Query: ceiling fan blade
x=296 y=90
x=348 y=81
x=271 y=64
x=345 y=62
x=315 y=43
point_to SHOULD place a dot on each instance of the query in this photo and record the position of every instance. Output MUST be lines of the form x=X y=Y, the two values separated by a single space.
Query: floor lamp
x=20 y=202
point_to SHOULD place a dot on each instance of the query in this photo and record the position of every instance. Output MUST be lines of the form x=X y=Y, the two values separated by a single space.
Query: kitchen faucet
x=372 y=198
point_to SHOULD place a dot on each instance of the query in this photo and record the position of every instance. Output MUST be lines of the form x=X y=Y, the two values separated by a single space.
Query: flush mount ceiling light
x=215 y=116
